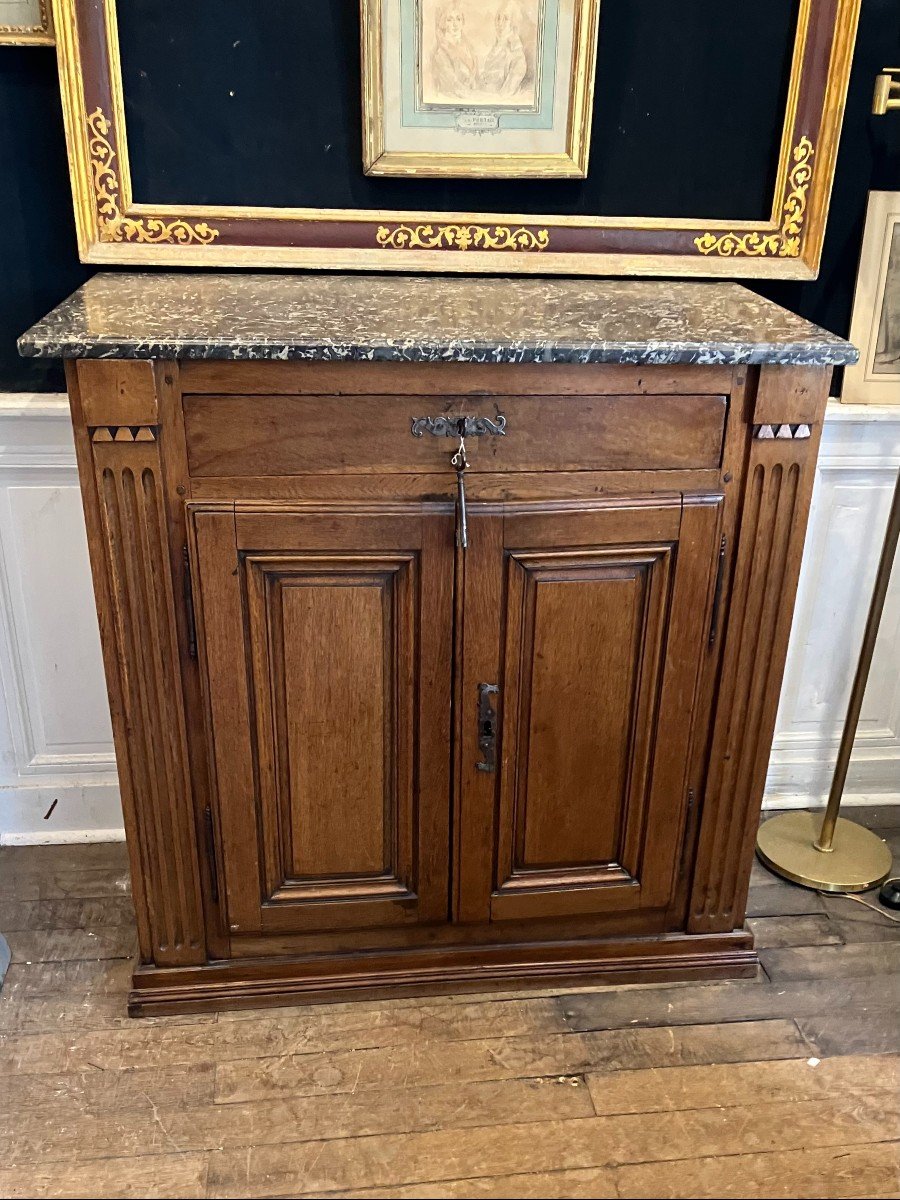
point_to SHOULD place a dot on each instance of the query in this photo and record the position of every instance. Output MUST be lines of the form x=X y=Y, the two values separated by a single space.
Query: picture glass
x=22 y=14
x=887 y=350
x=485 y=57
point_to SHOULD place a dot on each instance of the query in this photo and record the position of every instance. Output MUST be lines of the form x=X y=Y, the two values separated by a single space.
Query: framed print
x=560 y=136
x=875 y=327
x=469 y=88
x=25 y=23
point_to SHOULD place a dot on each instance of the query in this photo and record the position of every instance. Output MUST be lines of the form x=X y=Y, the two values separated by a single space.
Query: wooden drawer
x=271 y=435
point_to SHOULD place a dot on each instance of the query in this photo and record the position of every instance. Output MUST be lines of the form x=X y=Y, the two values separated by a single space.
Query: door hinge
x=211 y=853
x=687 y=832
x=188 y=588
x=717 y=594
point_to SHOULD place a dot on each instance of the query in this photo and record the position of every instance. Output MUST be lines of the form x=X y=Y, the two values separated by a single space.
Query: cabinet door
x=326 y=639
x=591 y=622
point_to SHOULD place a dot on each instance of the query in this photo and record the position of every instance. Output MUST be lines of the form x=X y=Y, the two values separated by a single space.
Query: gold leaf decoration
x=115 y=226
x=787 y=243
x=461 y=237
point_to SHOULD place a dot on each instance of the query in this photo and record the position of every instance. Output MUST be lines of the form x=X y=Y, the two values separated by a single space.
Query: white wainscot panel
x=855 y=481
x=55 y=741
x=57 y=766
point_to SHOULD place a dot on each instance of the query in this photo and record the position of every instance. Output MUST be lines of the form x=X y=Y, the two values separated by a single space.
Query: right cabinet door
x=585 y=630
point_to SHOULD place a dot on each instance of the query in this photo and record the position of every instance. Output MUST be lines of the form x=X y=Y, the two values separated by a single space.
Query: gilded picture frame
x=26 y=23
x=875 y=325
x=498 y=89
x=114 y=227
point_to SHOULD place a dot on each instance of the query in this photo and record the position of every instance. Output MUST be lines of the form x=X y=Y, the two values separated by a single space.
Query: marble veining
x=426 y=319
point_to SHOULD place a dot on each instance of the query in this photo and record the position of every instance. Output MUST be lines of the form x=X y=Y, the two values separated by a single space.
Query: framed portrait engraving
x=26 y=23
x=478 y=88
x=875 y=326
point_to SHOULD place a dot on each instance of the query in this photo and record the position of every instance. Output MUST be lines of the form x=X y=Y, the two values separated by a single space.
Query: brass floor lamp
x=839 y=856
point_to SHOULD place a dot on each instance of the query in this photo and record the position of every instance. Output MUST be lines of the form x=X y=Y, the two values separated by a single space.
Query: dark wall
x=38 y=256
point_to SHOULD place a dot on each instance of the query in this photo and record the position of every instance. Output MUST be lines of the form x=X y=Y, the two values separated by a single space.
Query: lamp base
x=858 y=861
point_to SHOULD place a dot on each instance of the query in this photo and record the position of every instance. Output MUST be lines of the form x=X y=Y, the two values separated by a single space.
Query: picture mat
x=410 y=129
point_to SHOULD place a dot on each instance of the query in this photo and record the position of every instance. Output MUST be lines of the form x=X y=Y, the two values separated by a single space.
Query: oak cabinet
x=379 y=732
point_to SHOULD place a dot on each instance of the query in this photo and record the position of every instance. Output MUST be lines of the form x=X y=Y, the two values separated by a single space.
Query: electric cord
x=867 y=903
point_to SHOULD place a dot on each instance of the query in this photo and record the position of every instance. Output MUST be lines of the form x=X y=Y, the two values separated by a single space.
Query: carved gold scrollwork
x=786 y=243
x=115 y=226
x=461 y=237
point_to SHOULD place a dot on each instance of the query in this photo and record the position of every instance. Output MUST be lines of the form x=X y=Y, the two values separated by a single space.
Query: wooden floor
x=787 y=1085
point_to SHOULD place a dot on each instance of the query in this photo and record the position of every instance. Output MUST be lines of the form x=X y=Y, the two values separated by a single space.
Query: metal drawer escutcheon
x=460 y=427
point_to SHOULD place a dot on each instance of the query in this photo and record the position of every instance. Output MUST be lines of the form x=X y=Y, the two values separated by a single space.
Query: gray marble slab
x=426 y=319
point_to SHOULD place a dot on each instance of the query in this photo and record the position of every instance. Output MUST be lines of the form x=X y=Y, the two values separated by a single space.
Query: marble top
x=426 y=319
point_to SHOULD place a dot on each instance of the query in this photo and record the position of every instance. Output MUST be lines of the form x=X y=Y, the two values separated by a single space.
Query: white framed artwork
x=875 y=326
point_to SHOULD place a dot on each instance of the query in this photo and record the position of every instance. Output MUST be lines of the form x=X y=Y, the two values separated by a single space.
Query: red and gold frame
x=114 y=229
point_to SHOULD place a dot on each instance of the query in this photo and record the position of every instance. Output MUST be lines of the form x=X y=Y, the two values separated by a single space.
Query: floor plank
x=71 y=945
x=92 y=1091
x=785 y=1085
x=772 y=933
x=855 y=1031
x=504 y=1058
x=51 y=1132
x=741 y=1084
x=348 y=1164
x=317 y=1034
x=723 y=1002
x=832 y=962
x=46 y=1014
x=72 y=913
x=181 y=1175
x=830 y=1173
x=94 y=977
x=595 y=1183
x=785 y=899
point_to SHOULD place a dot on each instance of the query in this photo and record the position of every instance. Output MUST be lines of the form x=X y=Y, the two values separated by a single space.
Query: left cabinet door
x=325 y=636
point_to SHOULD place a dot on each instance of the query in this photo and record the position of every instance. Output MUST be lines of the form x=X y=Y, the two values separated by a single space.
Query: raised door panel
x=329 y=687
x=602 y=615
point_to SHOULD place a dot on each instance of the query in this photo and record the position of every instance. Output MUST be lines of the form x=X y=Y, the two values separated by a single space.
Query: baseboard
x=789 y=800
x=39 y=835
x=58 y=812
x=62 y=837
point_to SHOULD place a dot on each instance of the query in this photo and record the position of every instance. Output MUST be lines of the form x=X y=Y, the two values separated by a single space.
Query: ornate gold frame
x=573 y=164
x=113 y=228
x=30 y=35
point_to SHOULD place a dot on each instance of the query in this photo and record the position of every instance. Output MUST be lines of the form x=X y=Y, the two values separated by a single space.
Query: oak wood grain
x=757 y=1088
x=726 y=1002
x=580 y=1143
x=296 y=435
x=491 y=1058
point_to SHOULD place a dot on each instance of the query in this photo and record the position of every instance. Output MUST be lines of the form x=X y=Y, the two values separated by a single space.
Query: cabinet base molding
x=260 y=984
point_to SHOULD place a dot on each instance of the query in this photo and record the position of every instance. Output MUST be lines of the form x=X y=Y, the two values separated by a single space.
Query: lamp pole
x=841 y=856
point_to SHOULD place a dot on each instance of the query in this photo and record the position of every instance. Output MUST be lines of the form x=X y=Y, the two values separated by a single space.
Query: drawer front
x=265 y=435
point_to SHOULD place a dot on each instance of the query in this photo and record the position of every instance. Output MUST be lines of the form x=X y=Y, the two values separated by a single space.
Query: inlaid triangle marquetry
x=124 y=433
